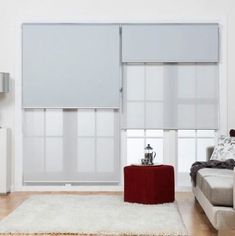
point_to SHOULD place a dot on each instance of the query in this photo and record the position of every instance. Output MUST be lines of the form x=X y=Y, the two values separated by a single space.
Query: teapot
x=149 y=156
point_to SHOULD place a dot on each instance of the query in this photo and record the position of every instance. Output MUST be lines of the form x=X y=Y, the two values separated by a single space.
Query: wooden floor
x=193 y=216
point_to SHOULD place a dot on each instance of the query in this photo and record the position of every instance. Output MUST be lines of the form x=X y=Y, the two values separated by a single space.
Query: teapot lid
x=148 y=147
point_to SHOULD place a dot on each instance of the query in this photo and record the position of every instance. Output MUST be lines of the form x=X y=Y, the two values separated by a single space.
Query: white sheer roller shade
x=71 y=145
x=71 y=65
x=175 y=96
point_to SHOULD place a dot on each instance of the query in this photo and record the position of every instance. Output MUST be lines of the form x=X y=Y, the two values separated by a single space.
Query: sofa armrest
x=209 y=152
x=234 y=188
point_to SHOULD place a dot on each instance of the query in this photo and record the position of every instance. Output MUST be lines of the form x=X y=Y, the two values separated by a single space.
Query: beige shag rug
x=92 y=215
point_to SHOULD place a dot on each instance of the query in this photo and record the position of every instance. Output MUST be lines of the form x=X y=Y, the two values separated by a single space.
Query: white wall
x=12 y=12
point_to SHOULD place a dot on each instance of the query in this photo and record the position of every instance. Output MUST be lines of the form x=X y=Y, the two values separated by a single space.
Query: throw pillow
x=232 y=133
x=225 y=149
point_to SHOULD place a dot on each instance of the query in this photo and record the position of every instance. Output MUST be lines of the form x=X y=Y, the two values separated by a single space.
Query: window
x=43 y=140
x=170 y=102
x=192 y=145
x=95 y=143
x=71 y=145
x=174 y=107
x=143 y=95
x=171 y=96
x=137 y=140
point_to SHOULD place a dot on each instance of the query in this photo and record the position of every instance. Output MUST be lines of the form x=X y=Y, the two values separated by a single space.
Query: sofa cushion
x=225 y=149
x=216 y=185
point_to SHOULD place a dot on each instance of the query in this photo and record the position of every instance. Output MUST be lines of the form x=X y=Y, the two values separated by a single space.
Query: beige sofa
x=215 y=191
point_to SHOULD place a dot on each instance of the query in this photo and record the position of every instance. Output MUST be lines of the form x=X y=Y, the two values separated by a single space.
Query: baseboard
x=81 y=188
x=68 y=188
x=95 y=188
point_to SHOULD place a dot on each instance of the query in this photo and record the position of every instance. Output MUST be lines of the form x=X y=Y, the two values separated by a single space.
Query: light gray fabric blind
x=70 y=65
x=171 y=96
x=71 y=145
x=170 y=43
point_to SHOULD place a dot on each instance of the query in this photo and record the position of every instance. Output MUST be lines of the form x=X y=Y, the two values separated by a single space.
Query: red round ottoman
x=149 y=184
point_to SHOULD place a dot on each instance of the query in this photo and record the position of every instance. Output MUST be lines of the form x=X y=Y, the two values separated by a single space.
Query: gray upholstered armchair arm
x=234 y=188
x=209 y=152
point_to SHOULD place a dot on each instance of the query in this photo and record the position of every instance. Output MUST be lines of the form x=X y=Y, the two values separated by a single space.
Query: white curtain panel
x=171 y=96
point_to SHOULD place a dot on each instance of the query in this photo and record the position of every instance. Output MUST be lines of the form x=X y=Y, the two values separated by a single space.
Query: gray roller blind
x=170 y=43
x=70 y=65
